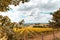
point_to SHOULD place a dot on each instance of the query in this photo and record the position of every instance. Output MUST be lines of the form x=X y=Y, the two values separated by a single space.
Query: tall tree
x=4 y=4
x=55 y=23
x=56 y=19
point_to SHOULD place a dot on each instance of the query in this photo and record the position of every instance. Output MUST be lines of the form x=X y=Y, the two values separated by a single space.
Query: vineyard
x=19 y=31
x=32 y=29
x=33 y=32
x=36 y=31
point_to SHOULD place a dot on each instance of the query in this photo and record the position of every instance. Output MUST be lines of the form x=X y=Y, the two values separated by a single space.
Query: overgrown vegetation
x=6 y=28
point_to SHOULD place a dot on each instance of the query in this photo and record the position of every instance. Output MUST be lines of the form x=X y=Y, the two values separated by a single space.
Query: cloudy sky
x=34 y=11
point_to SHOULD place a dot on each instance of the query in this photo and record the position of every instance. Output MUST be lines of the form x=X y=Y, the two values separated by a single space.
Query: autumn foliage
x=4 y=4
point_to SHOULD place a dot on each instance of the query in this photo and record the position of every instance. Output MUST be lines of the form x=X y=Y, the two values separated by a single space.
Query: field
x=33 y=29
x=35 y=33
x=30 y=33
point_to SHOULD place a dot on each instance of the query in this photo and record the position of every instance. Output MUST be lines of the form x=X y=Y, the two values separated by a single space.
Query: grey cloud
x=41 y=6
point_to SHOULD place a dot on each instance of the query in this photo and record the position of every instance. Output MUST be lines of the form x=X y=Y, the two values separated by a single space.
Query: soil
x=46 y=37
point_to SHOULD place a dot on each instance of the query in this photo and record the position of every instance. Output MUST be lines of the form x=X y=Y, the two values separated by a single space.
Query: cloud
x=40 y=4
x=34 y=11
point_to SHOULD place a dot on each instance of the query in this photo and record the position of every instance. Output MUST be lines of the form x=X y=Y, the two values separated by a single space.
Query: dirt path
x=47 y=37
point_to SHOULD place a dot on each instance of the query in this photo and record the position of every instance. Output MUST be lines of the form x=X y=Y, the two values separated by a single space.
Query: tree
x=56 y=19
x=6 y=26
x=1 y=17
x=4 y=4
x=55 y=23
x=6 y=21
x=21 y=22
